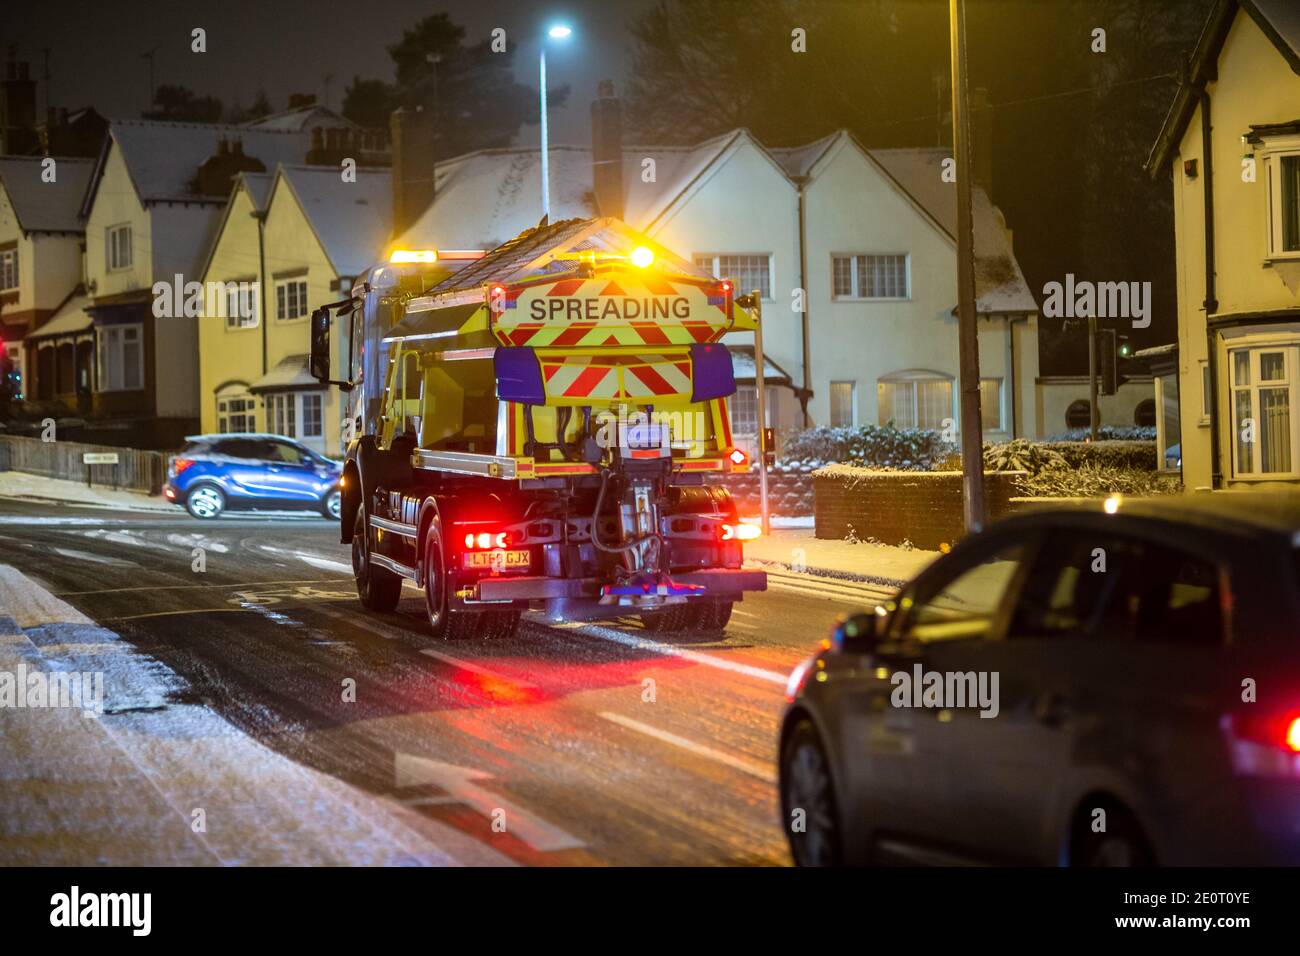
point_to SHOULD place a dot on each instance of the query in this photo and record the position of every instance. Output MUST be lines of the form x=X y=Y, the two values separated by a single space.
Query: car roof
x=222 y=436
x=1246 y=513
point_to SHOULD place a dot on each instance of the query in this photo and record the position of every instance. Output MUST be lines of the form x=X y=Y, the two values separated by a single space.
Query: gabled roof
x=41 y=206
x=1280 y=22
x=302 y=118
x=798 y=161
x=497 y=192
x=352 y=221
x=999 y=284
x=163 y=158
x=258 y=187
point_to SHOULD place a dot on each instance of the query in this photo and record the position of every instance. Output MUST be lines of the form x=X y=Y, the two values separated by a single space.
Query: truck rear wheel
x=712 y=616
x=707 y=617
x=378 y=588
x=453 y=625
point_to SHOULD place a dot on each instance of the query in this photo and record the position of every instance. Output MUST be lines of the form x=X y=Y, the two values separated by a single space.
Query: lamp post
x=558 y=32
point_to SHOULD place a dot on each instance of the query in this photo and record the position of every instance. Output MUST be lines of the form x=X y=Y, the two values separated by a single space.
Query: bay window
x=1262 y=382
x=915 y=399
x=121 y=358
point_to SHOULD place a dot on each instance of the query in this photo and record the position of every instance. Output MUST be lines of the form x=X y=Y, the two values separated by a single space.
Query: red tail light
x=1280 y=730
x=485 y=540
x=739 y=532
x=180 y=464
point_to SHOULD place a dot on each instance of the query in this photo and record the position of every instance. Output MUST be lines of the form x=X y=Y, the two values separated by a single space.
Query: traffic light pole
x=761 y=410
x=1094 y=415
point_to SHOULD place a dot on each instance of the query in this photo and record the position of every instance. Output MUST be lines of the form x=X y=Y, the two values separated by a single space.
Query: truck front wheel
x=495 y=624
x=378 y=588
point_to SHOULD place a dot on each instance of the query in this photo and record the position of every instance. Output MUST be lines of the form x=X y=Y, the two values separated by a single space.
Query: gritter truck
x=541 y=426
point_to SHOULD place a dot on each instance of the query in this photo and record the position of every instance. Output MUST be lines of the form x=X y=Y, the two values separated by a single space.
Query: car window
x=964 y=604
x=1119 y=588
x=238 y=448
x=288 y=454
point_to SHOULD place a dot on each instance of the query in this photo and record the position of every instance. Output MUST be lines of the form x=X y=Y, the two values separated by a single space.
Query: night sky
x=291 y=46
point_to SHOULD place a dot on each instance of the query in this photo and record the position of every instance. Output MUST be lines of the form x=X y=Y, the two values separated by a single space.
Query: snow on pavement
x=123 y=788
x=20 y=484
x=870 y=562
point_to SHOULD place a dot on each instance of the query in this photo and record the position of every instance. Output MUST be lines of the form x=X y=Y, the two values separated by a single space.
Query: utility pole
x=149 y=56
x=760 y=387
x=972 y=439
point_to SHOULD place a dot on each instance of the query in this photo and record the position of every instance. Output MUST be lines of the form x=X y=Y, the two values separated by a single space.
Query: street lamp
x=557 y=32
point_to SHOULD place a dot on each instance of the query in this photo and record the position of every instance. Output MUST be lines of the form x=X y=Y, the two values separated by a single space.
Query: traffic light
x=1113 y=351
x=769 y=447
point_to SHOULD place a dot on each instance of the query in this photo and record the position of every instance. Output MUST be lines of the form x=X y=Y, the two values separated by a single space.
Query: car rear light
x=738 y=457
x=740 y=532
x=1265 y=744
x=180 y=464
x=485 y=540
x=1293 y=735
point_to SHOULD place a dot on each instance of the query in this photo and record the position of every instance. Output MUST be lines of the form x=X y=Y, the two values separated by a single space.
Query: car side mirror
x=859 y=633
x=320 y=345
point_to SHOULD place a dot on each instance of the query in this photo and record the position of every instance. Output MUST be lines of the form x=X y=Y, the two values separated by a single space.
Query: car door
x=242 y=462
x=1107 y=628
x=950 y=613
x=291 y=473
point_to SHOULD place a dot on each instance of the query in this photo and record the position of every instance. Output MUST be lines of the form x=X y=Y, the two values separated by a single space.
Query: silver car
x=1108 y=685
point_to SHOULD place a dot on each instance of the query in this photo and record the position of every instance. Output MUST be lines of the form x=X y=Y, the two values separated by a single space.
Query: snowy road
x=309 y=731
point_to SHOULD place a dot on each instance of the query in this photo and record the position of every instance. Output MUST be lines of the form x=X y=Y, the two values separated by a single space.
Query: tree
x=473 y=97
x=261 y=106
x=181 y=104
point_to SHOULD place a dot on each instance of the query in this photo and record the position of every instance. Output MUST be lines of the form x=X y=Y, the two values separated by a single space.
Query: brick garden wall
x=924 y=508
x=789 y=493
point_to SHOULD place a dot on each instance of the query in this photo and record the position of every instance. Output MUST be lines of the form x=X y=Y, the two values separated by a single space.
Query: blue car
x=214 y=473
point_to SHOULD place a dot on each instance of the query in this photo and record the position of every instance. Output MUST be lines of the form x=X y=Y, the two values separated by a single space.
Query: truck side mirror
x=858 y=633
x=320 y=345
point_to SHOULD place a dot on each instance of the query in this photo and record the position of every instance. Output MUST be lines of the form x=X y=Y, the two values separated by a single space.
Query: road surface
x=565 y=745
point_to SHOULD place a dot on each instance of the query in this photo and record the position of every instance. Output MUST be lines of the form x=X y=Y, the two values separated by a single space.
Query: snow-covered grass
x=792 y=547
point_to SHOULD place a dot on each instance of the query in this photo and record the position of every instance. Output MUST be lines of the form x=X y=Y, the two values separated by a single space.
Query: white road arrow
x=462 y=784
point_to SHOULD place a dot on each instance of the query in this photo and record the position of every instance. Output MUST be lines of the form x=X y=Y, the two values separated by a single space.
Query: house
x=1230 y=145
x=853 y=252
x=292 y=239
x=40 y=252
x=158 y=192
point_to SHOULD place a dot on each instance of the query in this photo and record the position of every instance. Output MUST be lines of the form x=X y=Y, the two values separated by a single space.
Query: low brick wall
x=789 y=494
x=923 y=507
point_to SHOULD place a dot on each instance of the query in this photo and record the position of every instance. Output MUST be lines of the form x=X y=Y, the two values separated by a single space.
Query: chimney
x=413 y=186
x=18 y=111
x=217 y=174
x=981 y=148
x=607 y=150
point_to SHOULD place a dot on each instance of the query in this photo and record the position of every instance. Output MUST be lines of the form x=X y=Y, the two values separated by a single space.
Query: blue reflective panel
x=519 y=376
x=711 y=372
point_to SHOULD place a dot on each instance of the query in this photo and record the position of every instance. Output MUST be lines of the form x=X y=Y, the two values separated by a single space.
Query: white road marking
x=463 y=783
x=668 y=650
x=475 y=668
x=94 y=558
x=718 y=756
x=315 y=560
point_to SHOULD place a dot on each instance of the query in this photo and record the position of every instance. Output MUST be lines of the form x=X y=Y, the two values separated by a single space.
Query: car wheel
x=378 y=588
x=331 y=505
x=205 y=501
x=1122 y=844
x=810 y=819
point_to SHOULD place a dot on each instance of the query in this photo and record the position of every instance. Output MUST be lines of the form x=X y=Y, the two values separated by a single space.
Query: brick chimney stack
x=607 y=150
x=413 y=166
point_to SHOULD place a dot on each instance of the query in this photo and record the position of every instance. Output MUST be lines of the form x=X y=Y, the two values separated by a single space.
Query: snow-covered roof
x=302 y=118
x=70 y=318
x=352 y=220
x=743 y=366
x=289 y=373
x=258 y=186
x=163 y=158
x=486 y=197
x=999 y=284
x=798 y=160
x=43 y=206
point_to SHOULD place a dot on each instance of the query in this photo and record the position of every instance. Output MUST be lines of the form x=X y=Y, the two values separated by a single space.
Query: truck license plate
x=497 y=559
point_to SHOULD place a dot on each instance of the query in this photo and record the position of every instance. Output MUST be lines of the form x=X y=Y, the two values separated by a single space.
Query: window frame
x=11 y=255
x=236 y=321
x=224 y=417
x=283 y=286
x=1291 y=381
x=1274 y=152
x=853 y=402
x=855 y=277
x=716 y=260
x=111 y=263
x=1001 y=425
x=913 y=378
x=110 y=347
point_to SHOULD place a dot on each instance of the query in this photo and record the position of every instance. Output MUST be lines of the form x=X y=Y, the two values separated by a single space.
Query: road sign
x=99 y=458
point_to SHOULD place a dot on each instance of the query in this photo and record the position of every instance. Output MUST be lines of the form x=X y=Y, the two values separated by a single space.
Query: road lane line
x=718 y=756
x=667 y=650
x=476 y=669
